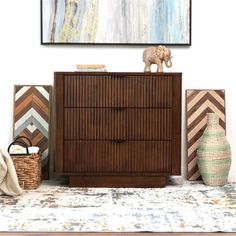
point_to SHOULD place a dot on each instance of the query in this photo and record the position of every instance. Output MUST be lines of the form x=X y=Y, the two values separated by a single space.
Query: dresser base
x=118 y=181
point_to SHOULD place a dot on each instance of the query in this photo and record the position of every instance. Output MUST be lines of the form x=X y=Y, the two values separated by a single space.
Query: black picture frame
x=44 y=42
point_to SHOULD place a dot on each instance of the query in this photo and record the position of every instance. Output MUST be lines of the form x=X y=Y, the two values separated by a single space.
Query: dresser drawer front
x=117 y=91
x=109 y=157
x=116 y=123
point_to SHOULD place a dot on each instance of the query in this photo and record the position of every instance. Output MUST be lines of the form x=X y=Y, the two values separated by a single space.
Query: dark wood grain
x=176 y=125
x=118 y=181
x=59 y=85
x=117 y=156
x=117 y=123
x=112 y=90
x=112 y=125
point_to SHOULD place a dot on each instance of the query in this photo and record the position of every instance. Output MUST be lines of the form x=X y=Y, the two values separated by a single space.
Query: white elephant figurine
x=157 y=55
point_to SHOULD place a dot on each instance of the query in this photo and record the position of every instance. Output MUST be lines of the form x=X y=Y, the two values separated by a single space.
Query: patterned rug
x=187 y=207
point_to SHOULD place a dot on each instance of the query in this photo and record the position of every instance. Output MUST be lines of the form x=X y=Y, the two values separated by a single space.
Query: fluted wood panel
x=117 y=91
x=109 y=157
x=111 y=123
x=118 y=129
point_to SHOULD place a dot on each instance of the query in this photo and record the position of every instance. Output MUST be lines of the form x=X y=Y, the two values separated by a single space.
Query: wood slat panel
x=198 y=104
x=117 y=91
x=32 y=118
x=111 y=123
x=110 y=157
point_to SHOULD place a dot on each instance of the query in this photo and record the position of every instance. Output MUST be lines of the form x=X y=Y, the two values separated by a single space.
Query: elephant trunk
x=168 y=63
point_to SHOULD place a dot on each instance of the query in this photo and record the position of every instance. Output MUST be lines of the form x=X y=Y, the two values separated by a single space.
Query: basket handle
x=19 y=142
x=20 y=137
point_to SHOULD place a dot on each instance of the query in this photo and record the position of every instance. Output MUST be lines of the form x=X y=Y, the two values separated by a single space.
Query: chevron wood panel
x=32 y=118
x=198 y=104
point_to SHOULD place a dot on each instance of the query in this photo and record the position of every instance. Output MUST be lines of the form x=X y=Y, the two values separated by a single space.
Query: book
x=92 y=69
x=88 y=66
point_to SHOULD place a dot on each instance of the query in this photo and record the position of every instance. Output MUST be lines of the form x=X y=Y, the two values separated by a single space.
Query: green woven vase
x=213 y=153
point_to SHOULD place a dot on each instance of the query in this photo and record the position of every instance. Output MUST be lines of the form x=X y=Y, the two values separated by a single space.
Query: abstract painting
x=198 y=104
x=32 y=118
x=116 y=22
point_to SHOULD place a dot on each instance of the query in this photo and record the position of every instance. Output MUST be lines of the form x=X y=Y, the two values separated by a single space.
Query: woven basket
x=214 y=155
x=28 y=170
x=28 y=166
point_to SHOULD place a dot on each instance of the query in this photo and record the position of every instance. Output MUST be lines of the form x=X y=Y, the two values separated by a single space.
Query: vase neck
x=212 y=119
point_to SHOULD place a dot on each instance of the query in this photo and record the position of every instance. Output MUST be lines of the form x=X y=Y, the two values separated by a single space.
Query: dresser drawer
x=117 y=91
x=110 y=157
x=117 y=123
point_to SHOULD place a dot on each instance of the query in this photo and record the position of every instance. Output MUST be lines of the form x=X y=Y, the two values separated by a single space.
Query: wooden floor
x=115 y=234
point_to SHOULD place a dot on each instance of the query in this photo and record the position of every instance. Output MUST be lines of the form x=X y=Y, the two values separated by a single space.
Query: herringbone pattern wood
x=198 y=104
x=32 y=118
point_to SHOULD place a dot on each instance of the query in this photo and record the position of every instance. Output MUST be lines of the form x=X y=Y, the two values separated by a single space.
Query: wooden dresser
x=118 y=129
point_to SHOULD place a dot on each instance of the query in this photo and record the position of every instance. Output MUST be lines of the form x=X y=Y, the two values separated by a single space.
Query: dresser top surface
x=118 y=73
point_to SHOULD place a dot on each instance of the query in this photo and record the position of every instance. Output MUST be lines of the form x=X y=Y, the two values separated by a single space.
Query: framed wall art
x=139 y=22
x=32 y=118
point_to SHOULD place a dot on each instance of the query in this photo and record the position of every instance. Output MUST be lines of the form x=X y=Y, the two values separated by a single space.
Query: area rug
x=186 y=207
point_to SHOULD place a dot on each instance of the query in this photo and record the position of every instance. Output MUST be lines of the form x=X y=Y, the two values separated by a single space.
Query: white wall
x=208 y=63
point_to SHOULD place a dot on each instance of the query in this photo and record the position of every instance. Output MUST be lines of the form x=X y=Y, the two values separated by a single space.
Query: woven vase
x=214 y=154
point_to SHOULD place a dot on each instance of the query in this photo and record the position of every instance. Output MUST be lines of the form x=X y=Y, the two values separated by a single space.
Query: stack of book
x=91 y=67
